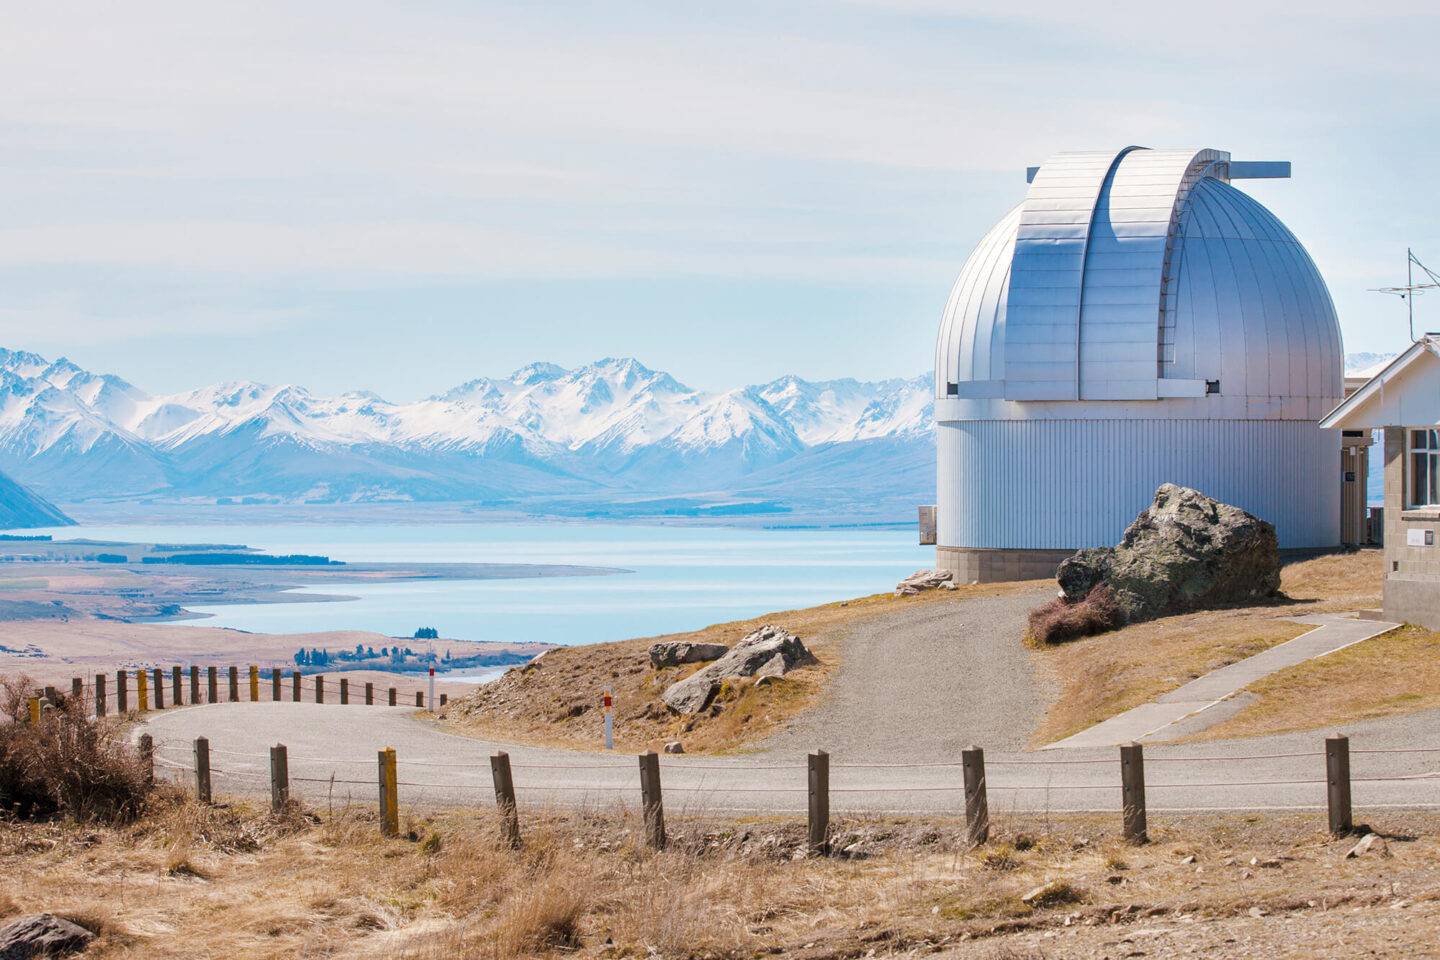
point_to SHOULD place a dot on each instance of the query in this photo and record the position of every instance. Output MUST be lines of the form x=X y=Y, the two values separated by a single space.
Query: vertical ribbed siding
x=1066 y=484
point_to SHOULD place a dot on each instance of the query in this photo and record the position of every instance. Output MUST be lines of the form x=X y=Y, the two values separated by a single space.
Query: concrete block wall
x=995 y=566
x=1412 y=573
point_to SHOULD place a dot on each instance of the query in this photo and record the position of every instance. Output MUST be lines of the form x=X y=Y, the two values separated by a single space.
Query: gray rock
x=1185 y=552
x=768 y=652
x=43 y=935
x=672 y=653
x=1372 y=843
x=924 y=580
x=674 y=746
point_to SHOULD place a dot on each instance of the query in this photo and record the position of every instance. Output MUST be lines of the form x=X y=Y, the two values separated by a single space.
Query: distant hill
x=20 y=507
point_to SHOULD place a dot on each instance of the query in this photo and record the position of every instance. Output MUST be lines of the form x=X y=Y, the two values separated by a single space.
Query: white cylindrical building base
x=1066 y=484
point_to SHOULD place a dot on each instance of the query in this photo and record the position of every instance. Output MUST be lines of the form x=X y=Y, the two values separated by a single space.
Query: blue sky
x=400 y=197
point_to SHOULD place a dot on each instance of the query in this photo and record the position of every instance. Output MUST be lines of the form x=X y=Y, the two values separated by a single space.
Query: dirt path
x=923 y=683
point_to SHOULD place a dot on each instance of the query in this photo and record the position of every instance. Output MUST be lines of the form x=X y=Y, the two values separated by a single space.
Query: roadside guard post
x=609 y=723
x=431 y=701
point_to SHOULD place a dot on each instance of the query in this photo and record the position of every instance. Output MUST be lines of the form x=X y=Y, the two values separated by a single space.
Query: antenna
x=1411 y=290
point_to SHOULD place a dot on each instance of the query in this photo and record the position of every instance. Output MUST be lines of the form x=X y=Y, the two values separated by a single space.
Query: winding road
x=909 y=697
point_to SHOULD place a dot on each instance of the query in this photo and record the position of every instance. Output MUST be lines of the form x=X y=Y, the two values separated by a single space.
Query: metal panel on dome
x=1129 y=280
x=1042 y=324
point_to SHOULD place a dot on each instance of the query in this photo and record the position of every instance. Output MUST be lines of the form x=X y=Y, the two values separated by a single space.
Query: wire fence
x=1319 y=778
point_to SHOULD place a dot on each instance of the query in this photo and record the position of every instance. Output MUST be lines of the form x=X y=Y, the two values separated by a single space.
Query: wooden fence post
x=319 y=688
x=159 y=676
x=392 y=696
x=122 y=692
x=34 y=709
x=177 y=686
x=147 y=757
x=389 y=794
x=202 y=769
x=1132 y=791
x=77 y=693
x=279 y=778
x=819 y=771
x=505 y=799
x=419 y=698
x=99 y=695
x=344 y=691
x=212 y=685
x=295 y=686
x=651 y=801
x=254 y=683
x=444 y=699
x=977 y=806
x=234 y=684
x=274 y=684
x=194 y=685
x=1337 y=776
x=369 y=694
x=142 y=693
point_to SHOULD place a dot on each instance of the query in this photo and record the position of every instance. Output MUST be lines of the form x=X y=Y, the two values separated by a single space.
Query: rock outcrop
x=924 y=580
x=42 y=935
x=672 y=653
x=768 y=652
x=1186 y=552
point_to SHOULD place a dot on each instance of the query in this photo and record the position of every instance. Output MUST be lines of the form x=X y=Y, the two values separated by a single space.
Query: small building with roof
x=1135 y=320
x=1403 y=400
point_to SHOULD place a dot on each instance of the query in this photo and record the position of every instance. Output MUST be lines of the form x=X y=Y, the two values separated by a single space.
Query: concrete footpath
x=1207 y=700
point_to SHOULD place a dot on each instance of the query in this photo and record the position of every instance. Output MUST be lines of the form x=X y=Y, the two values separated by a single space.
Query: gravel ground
x=924 y=683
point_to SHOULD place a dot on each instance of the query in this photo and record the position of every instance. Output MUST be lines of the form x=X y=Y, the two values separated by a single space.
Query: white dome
x=1142 y=276
x=1135 y=321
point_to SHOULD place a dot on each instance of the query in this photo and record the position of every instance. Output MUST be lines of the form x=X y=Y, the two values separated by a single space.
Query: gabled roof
x=1406 y=393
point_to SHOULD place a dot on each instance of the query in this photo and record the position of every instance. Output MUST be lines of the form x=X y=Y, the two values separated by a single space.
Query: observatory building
x=1136 y=320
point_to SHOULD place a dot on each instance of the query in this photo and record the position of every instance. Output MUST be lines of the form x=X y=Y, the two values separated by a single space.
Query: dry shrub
x=542 y=916
x=1060 y=620
x=65 y=765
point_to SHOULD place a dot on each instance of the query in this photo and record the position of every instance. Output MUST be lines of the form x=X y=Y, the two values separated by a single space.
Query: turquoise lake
x=683 y=577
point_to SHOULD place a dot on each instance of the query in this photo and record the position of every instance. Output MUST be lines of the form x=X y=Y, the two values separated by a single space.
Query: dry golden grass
x=1090 y=680
x=1395 y=673
x=555 y=701
x=256 y=886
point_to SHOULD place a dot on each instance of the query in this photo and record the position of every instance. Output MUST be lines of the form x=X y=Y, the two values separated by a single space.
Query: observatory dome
x=1135 y=320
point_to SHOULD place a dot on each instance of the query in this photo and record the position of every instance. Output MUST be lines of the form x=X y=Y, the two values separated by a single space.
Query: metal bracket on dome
x=1259 y=170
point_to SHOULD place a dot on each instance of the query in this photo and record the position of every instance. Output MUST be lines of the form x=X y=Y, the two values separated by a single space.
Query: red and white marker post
x=609 y=738
x=430 y=704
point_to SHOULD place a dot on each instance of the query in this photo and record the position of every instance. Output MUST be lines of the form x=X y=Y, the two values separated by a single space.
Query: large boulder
x=672 y=653
x=1186 y=552
x=43 y=935
x=768 y=652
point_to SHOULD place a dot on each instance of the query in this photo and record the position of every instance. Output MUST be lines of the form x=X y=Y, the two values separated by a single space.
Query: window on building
x=1424 y=468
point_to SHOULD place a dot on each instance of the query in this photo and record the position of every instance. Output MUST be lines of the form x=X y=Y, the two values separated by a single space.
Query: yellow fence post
x=254 y=683
x=141 y=692
x=34 y=709
x=389 y=790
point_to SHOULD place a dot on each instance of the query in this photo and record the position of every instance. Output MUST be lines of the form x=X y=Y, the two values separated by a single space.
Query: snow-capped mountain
x=613 y=425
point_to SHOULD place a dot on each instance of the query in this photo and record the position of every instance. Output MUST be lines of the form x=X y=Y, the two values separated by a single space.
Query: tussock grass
x=1394 y=673
x=582 y=886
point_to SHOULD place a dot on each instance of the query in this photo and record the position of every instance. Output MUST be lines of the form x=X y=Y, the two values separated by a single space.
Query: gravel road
x=925 y=682
x=915 y=688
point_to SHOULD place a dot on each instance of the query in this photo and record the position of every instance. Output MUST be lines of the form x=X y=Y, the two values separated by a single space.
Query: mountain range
x=610 y=430
x=610 y=438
